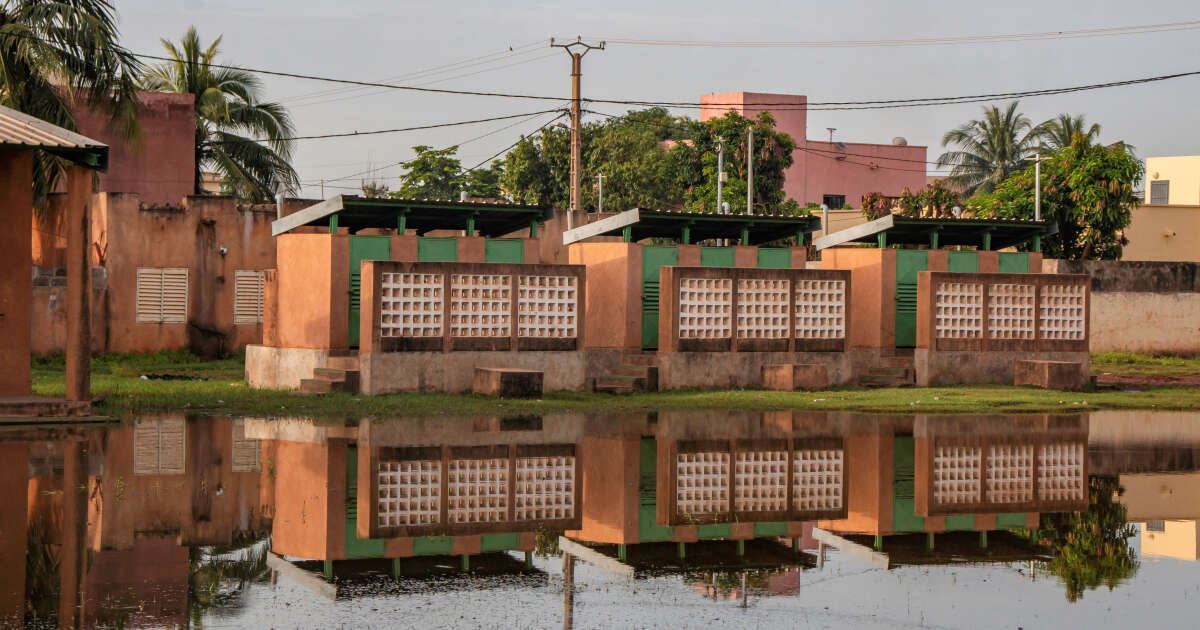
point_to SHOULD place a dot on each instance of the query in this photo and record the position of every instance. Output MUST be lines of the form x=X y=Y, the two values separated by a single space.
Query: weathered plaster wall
x=310 y=500
x=614 y=294
x=740 y=370
x=158 y=163
x=961 y=367
x=16 y=270
x=269 y=367
x=1147 y=307
x=312 y=289
x=391 y=372
x=1168 y=233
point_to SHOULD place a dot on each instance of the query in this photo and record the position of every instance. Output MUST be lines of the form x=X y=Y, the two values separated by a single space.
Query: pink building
x=833 y=174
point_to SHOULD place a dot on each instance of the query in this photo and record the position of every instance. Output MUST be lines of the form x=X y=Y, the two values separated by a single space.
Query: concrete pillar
x=73 y=565
x=79 y=335
x=16 y=269
x=14 y=489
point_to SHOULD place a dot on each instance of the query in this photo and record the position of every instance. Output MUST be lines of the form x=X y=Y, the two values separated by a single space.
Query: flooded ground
x=679 y=520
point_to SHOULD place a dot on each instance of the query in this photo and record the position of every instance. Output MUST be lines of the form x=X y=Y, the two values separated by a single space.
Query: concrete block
x=507 y=382
x=788 y=377
x=1048 y=374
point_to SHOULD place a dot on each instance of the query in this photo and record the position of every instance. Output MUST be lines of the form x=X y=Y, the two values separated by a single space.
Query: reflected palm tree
x=217 y=577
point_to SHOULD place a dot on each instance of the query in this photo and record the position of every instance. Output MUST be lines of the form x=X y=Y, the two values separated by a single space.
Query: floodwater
x=666 y=520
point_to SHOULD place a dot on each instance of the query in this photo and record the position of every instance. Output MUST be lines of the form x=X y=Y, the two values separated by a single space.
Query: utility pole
x=576 y=49
x=831 y=130
x=600 y=192
x=720 y=175
x=322 y=190
x=1037 y=187
x=750 y=171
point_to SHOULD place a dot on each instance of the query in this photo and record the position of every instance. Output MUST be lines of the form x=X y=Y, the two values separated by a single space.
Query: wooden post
x=79 y=335
x=568 y=591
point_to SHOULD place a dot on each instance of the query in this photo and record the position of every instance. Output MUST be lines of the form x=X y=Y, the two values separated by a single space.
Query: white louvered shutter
x=247 y=297
x=149 y=295
x=174 y=295
x=158 y=447
x=247 y=453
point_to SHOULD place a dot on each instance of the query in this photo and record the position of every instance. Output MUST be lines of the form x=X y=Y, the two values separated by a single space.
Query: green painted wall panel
x=1014 y=262
x=774 y=258
x=904 y=518
x=357 y=547
x=499 y=542
x=715 y=531
x=648 y=528
x=433 y=545
x=363 y=248
x=1010 y=521
x=908 y=263
x=960 y=523
x=718 y=257
x=767 y=530
x=504 y=250
x=437 y=249
x=963 y=262
x=654 y=257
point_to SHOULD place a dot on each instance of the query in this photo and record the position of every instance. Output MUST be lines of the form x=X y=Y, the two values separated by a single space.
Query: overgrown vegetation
x=1091 y=547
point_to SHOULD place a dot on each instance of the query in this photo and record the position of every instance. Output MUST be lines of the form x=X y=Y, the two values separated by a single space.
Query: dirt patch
x=1148 y=380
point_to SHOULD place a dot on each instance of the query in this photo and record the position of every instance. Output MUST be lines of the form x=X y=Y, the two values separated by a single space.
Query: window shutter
x=247 y=297
x=247 y=454
x=149 y=295
x=158 y=447
x=174 y=295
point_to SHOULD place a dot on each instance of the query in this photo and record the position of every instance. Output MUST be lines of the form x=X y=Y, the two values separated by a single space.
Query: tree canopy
x=989 y=149
x=1087 y=189
x=1091 y=548
x=432 y=174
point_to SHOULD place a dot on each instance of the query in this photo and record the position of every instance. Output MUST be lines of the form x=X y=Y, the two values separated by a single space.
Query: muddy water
x=672 y=519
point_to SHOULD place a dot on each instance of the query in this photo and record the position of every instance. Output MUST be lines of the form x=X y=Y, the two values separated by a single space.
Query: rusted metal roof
x=22 y=130
x=488 y=218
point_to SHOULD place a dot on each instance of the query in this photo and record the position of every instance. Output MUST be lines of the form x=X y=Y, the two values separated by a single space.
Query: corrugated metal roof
x=22 y=130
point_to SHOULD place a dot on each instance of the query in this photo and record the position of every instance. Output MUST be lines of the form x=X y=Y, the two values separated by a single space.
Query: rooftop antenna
x=831 y=130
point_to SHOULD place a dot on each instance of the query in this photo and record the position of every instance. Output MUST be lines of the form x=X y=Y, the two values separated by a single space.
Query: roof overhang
x=643 y=224
x=423 y=215
x=900 y=230
x=25 y=131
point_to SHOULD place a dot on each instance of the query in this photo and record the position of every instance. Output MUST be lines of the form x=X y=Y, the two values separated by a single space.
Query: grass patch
x=220 y=389
x=1131 y=363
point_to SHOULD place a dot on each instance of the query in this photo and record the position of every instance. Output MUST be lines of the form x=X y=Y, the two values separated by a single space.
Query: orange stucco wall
x=310 y=500
x=610 y=490
x=312 y=290
x=869 y=466
x=15 y=270
x=872 y=293
x=614 y=300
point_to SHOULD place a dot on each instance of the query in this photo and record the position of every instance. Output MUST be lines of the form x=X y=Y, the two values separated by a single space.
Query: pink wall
x=159 y=163
x=815 y=170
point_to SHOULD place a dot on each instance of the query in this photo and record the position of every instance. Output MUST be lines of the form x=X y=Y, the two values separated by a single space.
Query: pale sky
x=375 y=40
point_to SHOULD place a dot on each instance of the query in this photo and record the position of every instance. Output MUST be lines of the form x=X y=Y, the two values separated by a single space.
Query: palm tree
x=1057 y=133
x=55 y=54
x=230 y=119
x=989 y=150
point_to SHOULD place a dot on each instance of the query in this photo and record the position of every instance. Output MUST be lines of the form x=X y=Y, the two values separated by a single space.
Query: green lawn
x=221 y=390
x=1129 y=363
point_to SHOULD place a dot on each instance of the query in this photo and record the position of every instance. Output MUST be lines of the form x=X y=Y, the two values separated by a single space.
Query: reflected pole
x=568 y=591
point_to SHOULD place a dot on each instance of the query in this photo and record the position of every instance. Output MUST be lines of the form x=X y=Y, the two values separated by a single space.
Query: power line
x=922 y=41
x=381 y=131
x=506 y=149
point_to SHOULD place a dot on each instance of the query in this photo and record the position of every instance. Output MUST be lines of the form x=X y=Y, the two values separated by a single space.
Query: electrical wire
x=519 y=140
x=921 y=41
x=382 y=131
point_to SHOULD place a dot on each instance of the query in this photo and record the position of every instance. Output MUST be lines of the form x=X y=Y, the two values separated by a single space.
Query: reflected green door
x=363 y=248
x=908 y=263
x=654 y=257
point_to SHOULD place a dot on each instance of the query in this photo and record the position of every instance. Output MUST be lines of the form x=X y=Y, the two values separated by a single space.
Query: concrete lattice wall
x=1146 y=307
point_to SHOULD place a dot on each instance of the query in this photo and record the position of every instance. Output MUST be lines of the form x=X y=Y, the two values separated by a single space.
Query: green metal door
x=717 y=257
x=774 y=258
x=357 y=547
x=504 y=250
x=1014 y=262
x=908 y=263
x=437 y=249
x=963 y=262
x=653 y=258
x=363 y=248
x=904 y=505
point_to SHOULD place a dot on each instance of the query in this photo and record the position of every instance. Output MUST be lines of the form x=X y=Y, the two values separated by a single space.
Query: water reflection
x=172 y=520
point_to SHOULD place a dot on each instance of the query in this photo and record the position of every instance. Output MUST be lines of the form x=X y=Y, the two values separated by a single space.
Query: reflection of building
x=121 y=508
x=1171 y=539
x=438 y=488
x=944 y=474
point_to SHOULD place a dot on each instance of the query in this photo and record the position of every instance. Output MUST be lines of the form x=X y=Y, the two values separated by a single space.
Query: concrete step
x=315 y=386
x=636 y=383
x=621 y=388
x=343 y=380
x=342 y=362
x=647 y=372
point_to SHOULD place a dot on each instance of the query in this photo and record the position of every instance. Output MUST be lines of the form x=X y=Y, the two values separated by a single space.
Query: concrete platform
x=787 y=377
x=1048 y=374
x=40 y=407
x=507 y=383
x=966 y=367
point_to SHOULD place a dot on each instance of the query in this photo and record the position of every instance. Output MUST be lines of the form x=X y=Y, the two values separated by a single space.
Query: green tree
x=989 y=149
x=1087 y=190
x=526 y=174
x=772 y=156
x=230 y=117
x=1057 y=133
x=485 y=182
x=432 y=174
x=1091 y=548
x=57 y=52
